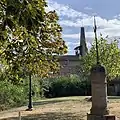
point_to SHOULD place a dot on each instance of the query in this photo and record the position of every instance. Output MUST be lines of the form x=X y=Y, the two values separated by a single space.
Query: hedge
x=66 y=86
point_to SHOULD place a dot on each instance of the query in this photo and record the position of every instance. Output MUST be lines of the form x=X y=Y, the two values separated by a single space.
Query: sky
x=74 y=14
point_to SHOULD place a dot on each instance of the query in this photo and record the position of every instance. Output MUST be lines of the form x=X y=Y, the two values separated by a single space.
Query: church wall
x=69 y=65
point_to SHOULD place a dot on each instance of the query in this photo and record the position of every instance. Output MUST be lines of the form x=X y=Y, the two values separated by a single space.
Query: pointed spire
x=82 y=49
x=82 y=36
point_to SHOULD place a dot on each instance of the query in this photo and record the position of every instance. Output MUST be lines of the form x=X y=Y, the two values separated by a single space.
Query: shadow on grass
x=113 y=97
x=52 y=101
x=48 y=116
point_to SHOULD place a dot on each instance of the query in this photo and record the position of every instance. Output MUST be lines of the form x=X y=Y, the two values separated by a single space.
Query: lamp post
x=30 y=94
x=95 y=32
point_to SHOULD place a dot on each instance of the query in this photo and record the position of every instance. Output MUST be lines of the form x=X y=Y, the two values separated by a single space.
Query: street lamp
x=30 y=94
x=95 y=32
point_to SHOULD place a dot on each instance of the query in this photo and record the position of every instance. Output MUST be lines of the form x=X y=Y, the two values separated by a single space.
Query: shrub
x=14 y=95
x=11 y=95
x=37 y=88
x=66 y=86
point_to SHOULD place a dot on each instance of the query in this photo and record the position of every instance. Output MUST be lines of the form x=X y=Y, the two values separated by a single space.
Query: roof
x=69 y=57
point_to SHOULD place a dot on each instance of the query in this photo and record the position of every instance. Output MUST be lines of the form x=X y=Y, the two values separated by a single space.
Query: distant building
x=114 y=87
x=70 y=63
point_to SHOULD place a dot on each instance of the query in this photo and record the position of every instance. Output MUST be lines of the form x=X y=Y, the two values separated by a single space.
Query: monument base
x=102 y=117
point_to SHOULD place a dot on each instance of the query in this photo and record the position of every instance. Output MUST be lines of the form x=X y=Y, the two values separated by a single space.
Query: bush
x=66 y=86
x=37 y=88
x=15 y=95
x=11 y=95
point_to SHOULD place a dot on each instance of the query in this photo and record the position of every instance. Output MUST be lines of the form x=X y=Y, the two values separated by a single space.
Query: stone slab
x=102 y=117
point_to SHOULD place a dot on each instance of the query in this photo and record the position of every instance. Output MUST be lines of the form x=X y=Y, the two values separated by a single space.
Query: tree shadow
x=113 y=97
x=49 y=116
x=52 y=101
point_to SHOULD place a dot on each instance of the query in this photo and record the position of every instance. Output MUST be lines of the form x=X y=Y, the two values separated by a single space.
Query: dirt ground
x=69 y=108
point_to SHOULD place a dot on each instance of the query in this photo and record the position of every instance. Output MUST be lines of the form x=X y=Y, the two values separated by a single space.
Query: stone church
x=70 y=63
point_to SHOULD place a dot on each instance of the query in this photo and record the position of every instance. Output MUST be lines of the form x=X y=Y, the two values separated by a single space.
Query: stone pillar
x=99 y=109
x=99 y=90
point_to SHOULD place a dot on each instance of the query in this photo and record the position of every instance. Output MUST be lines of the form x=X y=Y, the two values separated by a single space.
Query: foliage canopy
x=30 y=38
x=109 y=55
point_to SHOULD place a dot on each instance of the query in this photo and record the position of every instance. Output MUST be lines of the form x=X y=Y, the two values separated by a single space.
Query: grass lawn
x=66 y=108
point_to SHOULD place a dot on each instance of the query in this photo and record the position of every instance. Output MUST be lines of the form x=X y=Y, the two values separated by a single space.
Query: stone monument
x=99 y=93
x=99 y=109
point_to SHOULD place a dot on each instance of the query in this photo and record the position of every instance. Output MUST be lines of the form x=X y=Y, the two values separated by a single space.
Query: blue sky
x=75 y=13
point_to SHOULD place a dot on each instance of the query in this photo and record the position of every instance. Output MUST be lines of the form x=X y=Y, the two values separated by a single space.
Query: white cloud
x=105 y=27
x=75 y=43
x=89 y=45
x=87 y=8
x=68 y=23
x=101 y=22
x=117 y=16
x=76 y=36
x=74 y=19
x=64 y=10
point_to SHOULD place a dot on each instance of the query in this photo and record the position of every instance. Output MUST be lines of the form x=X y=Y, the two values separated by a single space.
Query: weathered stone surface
x=99 y=109
x=99 y=90
x=102 y=117
x=110 y=117
x=98 y=68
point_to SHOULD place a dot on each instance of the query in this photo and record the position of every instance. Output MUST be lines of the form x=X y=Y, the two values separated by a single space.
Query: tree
x=30 y=38
x=109 y=55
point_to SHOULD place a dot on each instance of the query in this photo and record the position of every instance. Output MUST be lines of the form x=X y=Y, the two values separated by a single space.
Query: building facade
x=69 y=64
